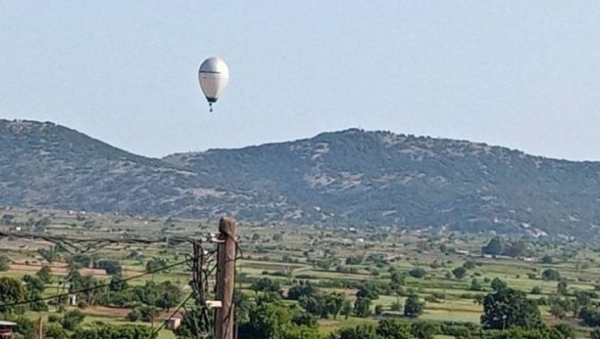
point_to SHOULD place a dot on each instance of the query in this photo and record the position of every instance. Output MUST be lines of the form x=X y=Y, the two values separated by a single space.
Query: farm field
x=446 y=271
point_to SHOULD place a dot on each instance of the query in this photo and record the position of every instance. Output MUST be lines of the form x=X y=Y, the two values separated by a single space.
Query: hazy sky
x=522 y=74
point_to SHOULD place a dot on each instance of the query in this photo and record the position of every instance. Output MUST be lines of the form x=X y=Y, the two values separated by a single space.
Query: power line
x=29 y=301
x=127 y=240
x=201 y=263
x=182 y=305
x=83 y=245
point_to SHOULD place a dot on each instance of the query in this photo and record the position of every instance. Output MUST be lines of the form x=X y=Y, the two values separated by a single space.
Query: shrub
x=72 y=319
x=469 y=265
x=4 y=263
x=417 y=272
x=134 y=315
x=550 y=274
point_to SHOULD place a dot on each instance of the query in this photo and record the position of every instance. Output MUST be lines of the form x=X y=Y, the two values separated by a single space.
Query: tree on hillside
x=242 y=306
x=335 y=303
x=582 y=300
x=562 y=287
x=45 y=273
x=397 y=278
x=72 y=319
x=346 y=309
x=417 y=272
x=423 y=330
x=557 y=311
x=362 y=331
x=117 y=283
x=469 y=264
x=169 y=296
x=459 y=272
x=567 y=331
x=49 y=254
x=510 y=308
x=547 y=259
x=517 y=249
x=298 y=291
x=34 y=286
x=475 y=285
x=156 y=264
x=315 y=304
x=4 y=263
x=362 y=307
x=393 y=329
x=550 y=274
x=115 y=332
x=266 y=285
x=112 y=267
x=494 y=248
x=413 y=307
x=275 y=320
x=498 y=284
x=82 y=260
x=55 y=331
x=368 y=291
x=11 y=291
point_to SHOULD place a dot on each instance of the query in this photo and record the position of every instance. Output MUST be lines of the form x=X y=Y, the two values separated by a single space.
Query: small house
x=173 y=323
x=6 y=328
x=72 y=299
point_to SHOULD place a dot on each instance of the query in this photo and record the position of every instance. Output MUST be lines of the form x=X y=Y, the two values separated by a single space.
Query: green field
x=316 y=255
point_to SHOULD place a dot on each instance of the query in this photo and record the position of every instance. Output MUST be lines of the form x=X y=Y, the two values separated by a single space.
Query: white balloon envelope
x=213 y=76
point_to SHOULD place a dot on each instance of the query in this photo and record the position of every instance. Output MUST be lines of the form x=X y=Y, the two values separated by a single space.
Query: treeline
x=19 y=296
x=270 y=317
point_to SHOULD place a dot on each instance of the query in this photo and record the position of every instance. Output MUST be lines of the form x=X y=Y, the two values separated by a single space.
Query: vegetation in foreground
x=304 y=282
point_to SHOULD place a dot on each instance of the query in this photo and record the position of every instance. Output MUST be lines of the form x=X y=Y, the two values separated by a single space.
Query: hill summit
x=351 y=178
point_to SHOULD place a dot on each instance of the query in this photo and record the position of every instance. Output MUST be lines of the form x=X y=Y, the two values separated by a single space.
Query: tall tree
x=413 y=307
x=510 y=308
x=562 y=287
x=459 y=272
x=362 y=331
x=4 y=263
x=334 y=304
x=498 y=284
x=11 y=291
x=362 y=307
x=393 y=329
x=423 y=330
x=494 y=248
x=346 y=309
x=45 y=273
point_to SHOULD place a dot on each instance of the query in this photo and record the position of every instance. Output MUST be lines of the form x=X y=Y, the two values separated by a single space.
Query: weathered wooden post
x=40 y=328
x=225 y=278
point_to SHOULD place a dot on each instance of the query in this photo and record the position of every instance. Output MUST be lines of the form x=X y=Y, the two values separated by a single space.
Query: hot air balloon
x=213 y=76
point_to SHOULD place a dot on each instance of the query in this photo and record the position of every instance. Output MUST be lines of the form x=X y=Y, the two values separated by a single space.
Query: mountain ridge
x=350 y=177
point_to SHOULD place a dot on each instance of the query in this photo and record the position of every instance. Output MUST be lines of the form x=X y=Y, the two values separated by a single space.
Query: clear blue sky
x=522 y=74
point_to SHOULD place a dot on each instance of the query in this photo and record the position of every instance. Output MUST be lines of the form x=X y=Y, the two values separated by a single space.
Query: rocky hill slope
x=351 y=177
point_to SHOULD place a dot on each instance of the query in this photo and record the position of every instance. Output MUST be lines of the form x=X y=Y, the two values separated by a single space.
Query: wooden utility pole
x=40 y=328
x=225 y=278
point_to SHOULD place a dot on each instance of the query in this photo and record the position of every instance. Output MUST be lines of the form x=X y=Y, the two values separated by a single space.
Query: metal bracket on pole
x=210 y=304
x=214 y=238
